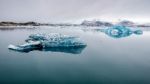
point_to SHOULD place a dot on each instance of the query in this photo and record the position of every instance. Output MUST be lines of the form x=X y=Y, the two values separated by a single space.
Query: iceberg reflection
x=72 y=50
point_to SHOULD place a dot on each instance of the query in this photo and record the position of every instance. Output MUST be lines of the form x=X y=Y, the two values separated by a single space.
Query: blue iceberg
x=117 y=31
x=51 y=42
x=121 y=31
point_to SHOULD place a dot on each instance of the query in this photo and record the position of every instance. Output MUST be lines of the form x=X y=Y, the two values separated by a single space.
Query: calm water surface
x=105 y=60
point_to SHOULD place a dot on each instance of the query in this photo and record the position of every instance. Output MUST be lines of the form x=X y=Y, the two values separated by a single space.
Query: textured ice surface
x=121 y=31
x=51 y=42
x=56 y=40
x=118 y=31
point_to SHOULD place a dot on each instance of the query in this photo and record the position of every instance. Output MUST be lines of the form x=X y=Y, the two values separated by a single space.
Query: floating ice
x=26 y=47
x=51 y=42
x=121 y=31
x=118 y=31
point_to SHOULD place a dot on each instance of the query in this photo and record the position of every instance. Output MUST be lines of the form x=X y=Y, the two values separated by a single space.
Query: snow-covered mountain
x=126 y=23
x=95 y=23
x=107 y=24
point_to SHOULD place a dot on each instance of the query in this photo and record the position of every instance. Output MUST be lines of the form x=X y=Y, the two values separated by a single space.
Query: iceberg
x=50 y=42
x=117 y=31
x=121 y=31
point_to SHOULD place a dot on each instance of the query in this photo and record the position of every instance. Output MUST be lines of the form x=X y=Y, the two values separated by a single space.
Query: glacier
x=51 y=42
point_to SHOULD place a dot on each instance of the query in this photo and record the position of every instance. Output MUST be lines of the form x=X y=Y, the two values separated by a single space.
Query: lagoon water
x=105 y=60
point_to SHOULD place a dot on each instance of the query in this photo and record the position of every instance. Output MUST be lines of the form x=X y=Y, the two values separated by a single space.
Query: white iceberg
x=26 y=47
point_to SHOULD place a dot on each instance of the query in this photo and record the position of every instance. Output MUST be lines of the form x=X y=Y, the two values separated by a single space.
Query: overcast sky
x=74 y=10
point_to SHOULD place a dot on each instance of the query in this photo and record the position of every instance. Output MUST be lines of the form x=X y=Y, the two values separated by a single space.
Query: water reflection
x=72 y=50
x=17 y=28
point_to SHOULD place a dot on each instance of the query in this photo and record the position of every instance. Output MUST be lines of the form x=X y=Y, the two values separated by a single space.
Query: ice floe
x=51 y=42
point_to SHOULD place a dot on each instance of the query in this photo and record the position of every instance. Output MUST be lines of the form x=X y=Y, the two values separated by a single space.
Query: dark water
x=105 y=60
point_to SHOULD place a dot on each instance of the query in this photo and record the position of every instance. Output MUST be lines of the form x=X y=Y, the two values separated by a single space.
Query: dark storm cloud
x=71 y=10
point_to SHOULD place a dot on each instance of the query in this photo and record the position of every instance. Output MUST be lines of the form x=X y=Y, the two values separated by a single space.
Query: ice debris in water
x=51 y=41
x=121 y=31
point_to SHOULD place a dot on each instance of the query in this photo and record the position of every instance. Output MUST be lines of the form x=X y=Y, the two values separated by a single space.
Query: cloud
x=72 y=10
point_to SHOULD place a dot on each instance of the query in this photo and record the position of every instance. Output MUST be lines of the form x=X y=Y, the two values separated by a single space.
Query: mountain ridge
x=92 y=23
